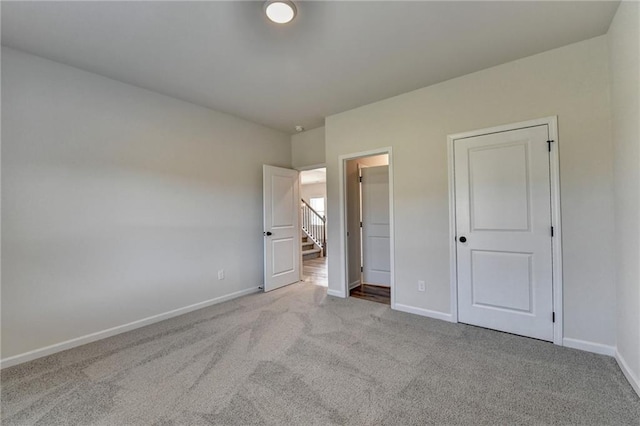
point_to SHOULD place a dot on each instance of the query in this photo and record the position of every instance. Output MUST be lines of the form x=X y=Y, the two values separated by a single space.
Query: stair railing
x=314 y=225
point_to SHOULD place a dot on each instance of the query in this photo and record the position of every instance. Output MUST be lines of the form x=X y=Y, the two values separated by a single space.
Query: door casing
x=556 y=241
x=344 y=271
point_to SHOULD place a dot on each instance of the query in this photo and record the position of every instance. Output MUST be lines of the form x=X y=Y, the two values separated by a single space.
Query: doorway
x=368 y=227
x=313 y=193
x=505 y=226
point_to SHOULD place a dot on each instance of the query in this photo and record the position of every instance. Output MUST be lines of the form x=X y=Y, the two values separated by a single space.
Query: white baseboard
x=83 y=340
x=335 y=293
x=583 y=345
x=354 y=284
x=632 y=378
x=424 y=312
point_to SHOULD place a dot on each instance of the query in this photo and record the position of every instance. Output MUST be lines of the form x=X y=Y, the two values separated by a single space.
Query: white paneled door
x=503 y=231
x=281 y=198
x=376 y=248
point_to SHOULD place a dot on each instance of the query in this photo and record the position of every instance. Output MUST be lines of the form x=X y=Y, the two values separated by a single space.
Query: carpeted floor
x=296 y=356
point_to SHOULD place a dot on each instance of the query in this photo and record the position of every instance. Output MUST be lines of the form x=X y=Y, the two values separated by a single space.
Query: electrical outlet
x=421 y=286
x=221 y=274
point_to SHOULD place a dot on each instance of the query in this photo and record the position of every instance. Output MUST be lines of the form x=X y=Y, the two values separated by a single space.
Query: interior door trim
x=343 y=290
x=556 y=241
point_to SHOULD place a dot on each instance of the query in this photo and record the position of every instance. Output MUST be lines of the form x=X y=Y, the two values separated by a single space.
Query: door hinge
x=362 y=269
x=360 y=224
x=549 y=142
x=360 y=179
x=553 y=317
x=552 y=231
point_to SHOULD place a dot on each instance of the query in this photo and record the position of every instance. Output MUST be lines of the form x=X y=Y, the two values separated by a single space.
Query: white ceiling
x=313 y=176
x=333 y=57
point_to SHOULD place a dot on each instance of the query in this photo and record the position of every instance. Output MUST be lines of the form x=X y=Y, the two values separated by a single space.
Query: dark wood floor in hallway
x=373 y=293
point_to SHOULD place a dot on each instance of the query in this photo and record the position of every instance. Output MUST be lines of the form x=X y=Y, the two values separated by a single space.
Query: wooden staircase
x=314 y=233
x=309 y=249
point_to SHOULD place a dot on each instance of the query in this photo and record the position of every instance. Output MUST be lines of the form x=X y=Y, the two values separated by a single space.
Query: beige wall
x=624 y=54
x=570 y=82
x=314 y=190
x=120 y=203
x=307 y=149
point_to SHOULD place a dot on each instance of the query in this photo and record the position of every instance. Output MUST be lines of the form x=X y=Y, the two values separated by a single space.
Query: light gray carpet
x=296 y=356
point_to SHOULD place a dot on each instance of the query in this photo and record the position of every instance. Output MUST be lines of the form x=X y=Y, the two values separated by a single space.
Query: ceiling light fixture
x=280 y=11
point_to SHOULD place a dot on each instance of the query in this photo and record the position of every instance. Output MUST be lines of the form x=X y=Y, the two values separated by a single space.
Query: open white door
x=376 y=247
x=504 y=234
x=281 y=198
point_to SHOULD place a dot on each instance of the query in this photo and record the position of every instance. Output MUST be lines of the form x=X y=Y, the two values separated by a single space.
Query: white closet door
x=503 y=227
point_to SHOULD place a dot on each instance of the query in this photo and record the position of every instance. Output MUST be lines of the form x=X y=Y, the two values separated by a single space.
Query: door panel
x=499 y=187
x=282 y=210
x=501 y=280
x=283 y=255
x=376 y=248
x=503 y=209
x=281 y=227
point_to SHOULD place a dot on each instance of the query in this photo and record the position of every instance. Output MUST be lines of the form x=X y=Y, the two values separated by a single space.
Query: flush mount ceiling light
x=280 y=11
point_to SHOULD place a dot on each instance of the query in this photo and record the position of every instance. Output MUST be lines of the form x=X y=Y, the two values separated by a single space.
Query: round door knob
x=462 y=239
x=268 y=233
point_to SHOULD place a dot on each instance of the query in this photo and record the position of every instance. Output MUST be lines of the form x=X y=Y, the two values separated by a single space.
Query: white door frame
x=556 y=241
x=342 y=161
